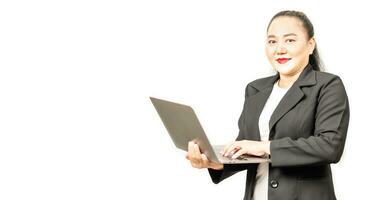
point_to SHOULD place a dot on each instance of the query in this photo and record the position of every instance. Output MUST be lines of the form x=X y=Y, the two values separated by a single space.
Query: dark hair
x=314 y=59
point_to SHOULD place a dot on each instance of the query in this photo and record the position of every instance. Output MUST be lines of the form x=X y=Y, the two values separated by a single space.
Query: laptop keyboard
x=241 y=157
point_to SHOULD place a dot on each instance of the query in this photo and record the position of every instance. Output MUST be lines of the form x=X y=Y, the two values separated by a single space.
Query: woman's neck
x=286 y=81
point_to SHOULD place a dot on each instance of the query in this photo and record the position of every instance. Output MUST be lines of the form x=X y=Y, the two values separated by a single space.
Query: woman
x=299 y=118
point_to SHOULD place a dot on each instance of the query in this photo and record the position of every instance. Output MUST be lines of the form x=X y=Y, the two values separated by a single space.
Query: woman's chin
x=283 y=68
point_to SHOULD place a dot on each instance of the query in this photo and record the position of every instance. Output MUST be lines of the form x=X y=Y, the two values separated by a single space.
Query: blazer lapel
x=293 y=96
x=255 y=107
x=256 y=104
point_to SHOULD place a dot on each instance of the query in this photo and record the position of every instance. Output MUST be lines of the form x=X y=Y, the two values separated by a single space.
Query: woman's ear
x=311 y=45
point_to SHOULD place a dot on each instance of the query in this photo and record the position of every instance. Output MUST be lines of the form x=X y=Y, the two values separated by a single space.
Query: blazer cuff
x=229 y=169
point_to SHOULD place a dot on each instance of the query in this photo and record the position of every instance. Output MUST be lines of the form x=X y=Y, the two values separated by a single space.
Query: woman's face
x=287 y=46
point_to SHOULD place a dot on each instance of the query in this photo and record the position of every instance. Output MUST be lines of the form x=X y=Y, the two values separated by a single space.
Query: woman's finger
x=239 y=153
x=232 y=149
x=226 y=147
x=204 y=158
x=190 y=148
x=193 y=164
x=196 y=150
x=205 y=161
x=192 y=154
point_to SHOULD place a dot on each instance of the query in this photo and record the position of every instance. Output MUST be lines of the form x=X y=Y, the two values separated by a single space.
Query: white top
x=261 y=188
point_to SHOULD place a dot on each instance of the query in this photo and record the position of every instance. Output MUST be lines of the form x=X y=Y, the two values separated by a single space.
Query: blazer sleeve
x=327 y=143
x=231 y=169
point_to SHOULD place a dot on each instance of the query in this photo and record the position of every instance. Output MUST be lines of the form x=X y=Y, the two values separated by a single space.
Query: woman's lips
x=282 y=60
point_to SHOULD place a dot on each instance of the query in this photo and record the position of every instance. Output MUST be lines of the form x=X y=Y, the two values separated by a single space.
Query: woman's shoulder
x=324 y=75
x=260 y=83
x=327 y=77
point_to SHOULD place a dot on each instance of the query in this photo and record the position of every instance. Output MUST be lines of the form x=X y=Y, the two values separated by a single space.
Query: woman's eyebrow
x=286 y=35
x=290 y=34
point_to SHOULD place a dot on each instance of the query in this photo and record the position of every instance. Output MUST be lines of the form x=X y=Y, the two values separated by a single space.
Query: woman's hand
x=199 y=160
x=255 y=148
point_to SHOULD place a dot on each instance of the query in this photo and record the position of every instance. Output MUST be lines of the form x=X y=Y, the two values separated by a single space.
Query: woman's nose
x=280 y=49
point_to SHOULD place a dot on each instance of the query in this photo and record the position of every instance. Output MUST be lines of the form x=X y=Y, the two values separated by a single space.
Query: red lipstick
x=282 y=60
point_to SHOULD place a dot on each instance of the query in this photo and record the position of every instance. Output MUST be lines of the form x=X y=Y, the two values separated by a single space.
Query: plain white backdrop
x=75 y=76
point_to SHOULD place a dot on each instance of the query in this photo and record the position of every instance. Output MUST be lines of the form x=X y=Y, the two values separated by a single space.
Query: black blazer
x=307 y=132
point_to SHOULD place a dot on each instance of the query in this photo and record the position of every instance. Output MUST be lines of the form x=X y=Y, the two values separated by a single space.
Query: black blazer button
x=274 y=184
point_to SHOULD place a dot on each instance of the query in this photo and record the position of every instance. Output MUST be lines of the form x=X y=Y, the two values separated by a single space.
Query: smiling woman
x=298 y=117
x=290 y=48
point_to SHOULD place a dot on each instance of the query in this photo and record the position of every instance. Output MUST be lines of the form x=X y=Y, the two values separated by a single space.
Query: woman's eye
x=290 y=40
x=271 y=41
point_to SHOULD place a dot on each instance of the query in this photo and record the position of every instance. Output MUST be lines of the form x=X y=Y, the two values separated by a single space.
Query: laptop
x=183 y=126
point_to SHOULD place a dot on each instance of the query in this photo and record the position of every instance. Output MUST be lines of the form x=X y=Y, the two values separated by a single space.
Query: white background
x=75 y=76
